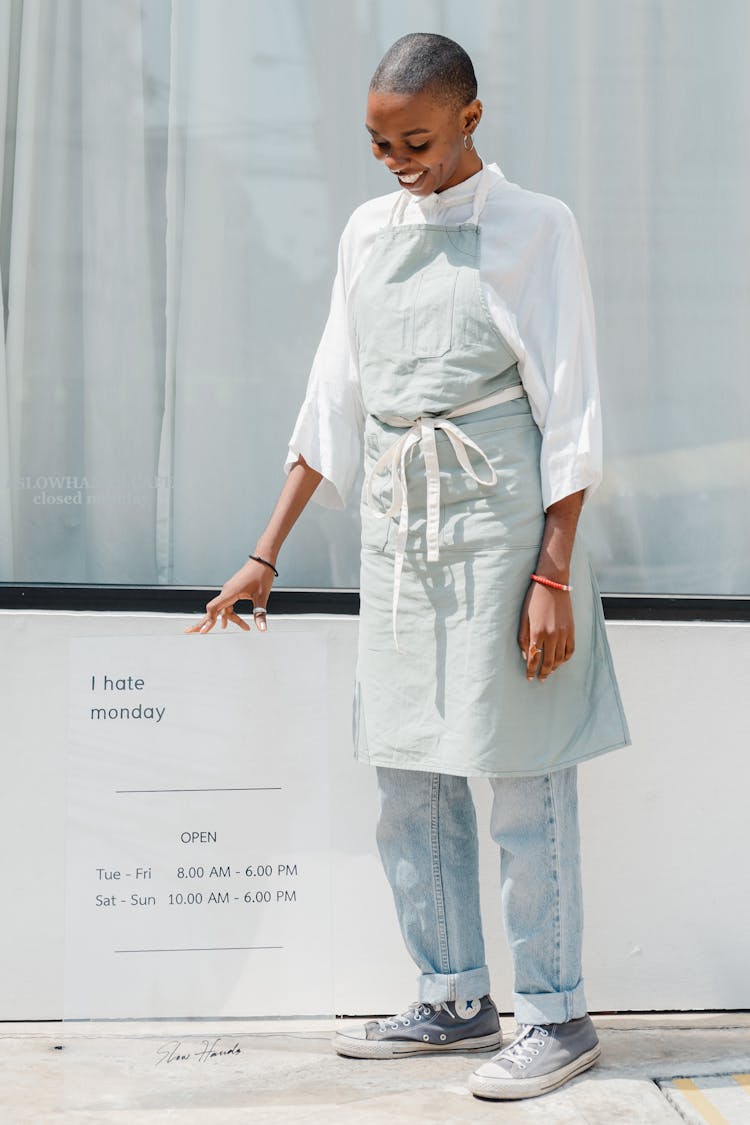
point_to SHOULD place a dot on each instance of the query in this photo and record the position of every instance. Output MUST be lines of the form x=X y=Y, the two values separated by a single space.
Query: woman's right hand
x=252 y=581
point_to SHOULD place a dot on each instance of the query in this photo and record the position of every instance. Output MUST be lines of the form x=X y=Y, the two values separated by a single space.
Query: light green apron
x=452 y=521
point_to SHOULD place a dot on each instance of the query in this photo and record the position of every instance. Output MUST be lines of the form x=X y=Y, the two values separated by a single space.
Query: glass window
x=174 y=180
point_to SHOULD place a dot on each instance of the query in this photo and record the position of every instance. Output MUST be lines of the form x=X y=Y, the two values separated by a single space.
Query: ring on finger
x=258 y=609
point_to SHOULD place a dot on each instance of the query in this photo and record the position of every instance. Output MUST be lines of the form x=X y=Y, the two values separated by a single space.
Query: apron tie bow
x=394 y=461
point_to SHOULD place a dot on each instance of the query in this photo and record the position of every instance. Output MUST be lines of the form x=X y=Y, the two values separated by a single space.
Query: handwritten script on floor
x=204 y=1050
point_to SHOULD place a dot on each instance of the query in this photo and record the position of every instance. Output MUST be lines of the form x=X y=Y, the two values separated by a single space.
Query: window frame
x=69 y=597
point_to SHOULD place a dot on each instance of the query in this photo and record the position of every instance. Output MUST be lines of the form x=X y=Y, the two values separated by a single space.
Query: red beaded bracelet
x=548 y=582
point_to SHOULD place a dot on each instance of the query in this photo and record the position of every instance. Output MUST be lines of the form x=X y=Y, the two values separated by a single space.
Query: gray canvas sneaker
x=539 y=1059
x=456 y=1025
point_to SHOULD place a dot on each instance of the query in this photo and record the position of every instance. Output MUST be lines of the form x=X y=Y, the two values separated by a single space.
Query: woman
x=459 y=354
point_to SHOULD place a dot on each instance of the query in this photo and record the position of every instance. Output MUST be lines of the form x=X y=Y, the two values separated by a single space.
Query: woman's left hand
x=547 y=631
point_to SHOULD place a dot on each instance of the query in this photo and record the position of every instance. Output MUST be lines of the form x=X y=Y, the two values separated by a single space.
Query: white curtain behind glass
x=84 y=378
x=175 y=178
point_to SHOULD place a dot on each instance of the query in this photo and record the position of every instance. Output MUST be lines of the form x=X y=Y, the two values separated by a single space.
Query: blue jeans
x=427 y=836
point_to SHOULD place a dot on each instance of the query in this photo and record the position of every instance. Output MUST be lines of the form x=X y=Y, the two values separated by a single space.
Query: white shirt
x=534 y=278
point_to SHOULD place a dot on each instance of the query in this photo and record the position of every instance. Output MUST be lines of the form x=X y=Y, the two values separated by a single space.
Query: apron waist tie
x=394 y=460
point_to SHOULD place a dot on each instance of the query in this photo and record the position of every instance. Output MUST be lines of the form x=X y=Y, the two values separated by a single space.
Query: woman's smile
x=410 y=180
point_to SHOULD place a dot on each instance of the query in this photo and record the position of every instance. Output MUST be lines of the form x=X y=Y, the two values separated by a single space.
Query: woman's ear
x=471 y=115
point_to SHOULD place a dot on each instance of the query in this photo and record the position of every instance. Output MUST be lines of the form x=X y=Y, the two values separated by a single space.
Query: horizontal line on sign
x=227 y=789
x=198 y=948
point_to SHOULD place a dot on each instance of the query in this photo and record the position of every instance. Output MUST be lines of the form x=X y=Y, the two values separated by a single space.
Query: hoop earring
x=470 y=146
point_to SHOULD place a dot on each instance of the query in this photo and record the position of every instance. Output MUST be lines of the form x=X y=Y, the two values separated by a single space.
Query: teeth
x=410 y=179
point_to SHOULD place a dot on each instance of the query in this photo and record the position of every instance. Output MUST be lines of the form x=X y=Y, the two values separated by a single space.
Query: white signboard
x=198 y=849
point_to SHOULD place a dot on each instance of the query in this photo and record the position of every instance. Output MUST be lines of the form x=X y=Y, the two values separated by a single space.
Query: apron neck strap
x=481 y=192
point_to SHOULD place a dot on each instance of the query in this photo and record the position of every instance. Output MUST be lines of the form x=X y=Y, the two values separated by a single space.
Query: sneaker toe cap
x=493 y=1069
x=355 y=1034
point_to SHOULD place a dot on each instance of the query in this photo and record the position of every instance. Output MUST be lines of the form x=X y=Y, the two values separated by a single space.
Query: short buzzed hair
x=426 y=62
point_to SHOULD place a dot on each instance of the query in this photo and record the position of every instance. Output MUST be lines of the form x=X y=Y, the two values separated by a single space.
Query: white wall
x=663 y=824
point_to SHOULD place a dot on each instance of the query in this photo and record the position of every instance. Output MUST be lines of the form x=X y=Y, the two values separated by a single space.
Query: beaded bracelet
x=548 y=582
x=265 y=562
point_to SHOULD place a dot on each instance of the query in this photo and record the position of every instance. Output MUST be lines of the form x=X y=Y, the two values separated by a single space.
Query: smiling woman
x=429 y=80
x=458 y=364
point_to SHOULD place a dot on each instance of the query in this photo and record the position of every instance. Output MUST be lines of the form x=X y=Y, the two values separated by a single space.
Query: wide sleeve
x=559 y=331
x=330 y=423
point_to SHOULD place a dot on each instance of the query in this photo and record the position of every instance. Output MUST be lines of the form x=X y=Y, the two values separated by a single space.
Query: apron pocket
x=433 y=313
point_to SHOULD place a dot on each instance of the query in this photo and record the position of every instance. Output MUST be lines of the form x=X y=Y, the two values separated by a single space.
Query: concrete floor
x=219 y=1073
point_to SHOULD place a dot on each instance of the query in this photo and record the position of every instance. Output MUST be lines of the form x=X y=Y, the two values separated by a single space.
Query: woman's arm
x=254 y=580
x=547 y=633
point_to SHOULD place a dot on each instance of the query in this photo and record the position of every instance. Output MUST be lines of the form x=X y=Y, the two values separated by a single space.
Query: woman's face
x=417 y=135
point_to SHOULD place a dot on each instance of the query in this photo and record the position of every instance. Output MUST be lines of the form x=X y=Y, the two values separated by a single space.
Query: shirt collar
x=459 y=193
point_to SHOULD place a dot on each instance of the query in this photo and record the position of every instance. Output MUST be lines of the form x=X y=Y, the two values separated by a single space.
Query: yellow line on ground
x=698 y=1099
x=743 y=1080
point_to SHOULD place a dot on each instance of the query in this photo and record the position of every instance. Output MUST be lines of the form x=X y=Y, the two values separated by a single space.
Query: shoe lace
x=415 y=1013
x=530 y=1039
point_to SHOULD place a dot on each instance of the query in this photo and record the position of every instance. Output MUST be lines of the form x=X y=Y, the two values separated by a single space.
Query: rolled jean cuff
x=550 y=1007
x=435 y=988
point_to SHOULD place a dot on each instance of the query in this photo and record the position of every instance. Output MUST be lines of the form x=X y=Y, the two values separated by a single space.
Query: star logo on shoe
x=467 y=1009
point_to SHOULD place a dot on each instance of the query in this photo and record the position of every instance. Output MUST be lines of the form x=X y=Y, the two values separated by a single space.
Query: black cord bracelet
x=265 y=562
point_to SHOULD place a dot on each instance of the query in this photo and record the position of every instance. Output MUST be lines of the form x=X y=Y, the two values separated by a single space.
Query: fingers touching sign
x=252 y=581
